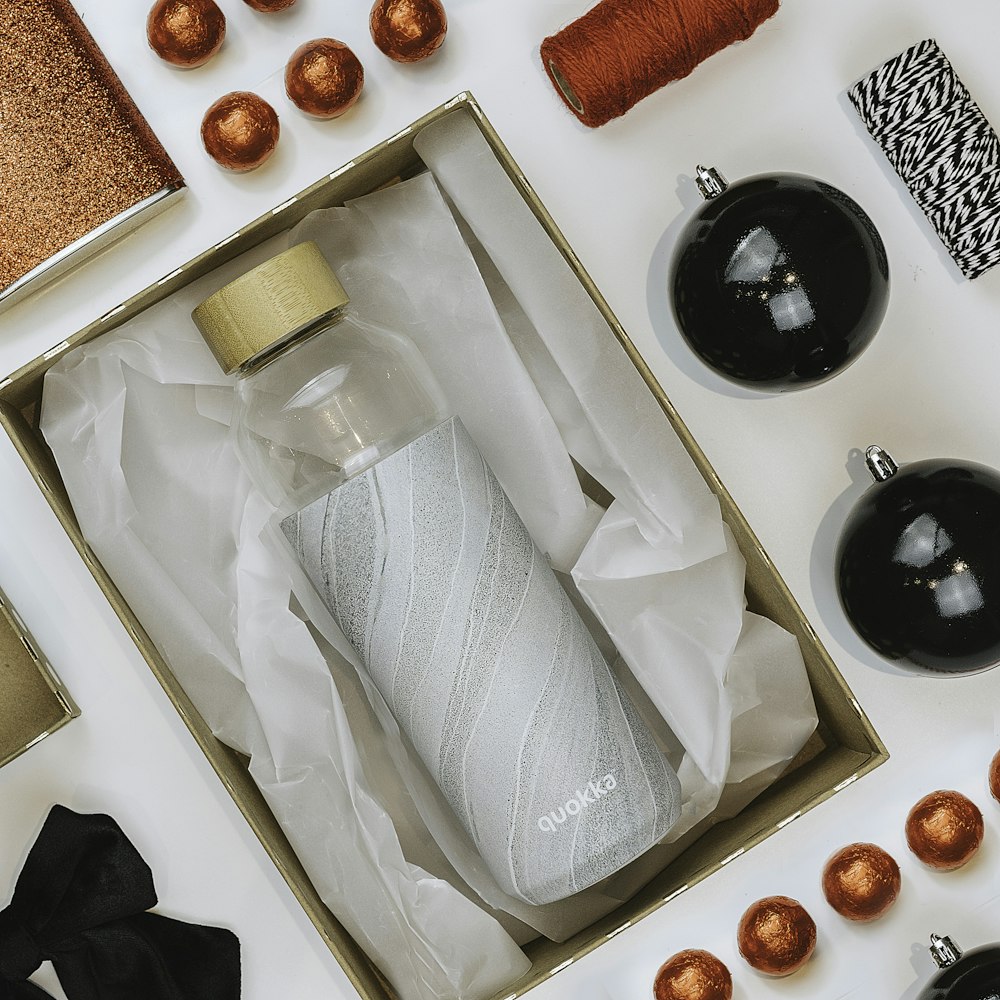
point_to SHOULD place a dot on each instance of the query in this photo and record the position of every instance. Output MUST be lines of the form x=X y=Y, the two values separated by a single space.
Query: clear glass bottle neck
x=327 y=403
x=289 y=342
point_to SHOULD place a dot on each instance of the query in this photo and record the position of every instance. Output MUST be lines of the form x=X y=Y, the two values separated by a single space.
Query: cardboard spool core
x=567 y=90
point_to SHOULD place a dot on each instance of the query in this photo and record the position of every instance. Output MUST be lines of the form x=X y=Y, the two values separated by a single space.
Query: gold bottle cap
x=269 y=304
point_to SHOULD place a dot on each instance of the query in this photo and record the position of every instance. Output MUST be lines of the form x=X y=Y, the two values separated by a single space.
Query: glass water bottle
x=425 y=565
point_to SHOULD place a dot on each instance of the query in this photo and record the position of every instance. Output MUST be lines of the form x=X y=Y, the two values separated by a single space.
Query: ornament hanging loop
x=944 y=951
x=880 y=463
x=710 y=182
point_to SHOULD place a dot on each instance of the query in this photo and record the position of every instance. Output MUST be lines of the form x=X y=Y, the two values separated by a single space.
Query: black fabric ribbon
x=79 y=902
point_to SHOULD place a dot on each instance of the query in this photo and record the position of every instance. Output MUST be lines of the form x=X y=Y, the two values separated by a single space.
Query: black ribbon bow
x=79 y=902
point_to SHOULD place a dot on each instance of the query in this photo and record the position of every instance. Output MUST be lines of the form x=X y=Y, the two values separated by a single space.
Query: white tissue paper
x=138 y=423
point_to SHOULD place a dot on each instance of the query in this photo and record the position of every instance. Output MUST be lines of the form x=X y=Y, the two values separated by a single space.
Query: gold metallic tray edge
x=64 y=708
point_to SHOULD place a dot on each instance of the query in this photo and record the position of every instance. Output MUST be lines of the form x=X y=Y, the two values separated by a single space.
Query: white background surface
x=926 y=387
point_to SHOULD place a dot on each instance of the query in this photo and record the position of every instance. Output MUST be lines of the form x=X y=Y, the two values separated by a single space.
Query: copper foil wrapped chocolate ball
x=944 y=830
x=776 y=935
x=861 y=882
x=693 y=975
x=240 y=131
x=269 y=6
x=408 y=30
x=324 y=78
x=185 y=33
x=995 y=776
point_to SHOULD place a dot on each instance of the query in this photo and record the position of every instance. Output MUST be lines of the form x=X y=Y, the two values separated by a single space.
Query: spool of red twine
x=621 y=51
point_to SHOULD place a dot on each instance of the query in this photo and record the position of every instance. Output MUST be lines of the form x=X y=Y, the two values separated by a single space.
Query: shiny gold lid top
x=269 y=304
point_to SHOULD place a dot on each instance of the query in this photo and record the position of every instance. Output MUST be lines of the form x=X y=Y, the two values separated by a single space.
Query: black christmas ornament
x=779 y=281
x=918 y=563
x=972 y=975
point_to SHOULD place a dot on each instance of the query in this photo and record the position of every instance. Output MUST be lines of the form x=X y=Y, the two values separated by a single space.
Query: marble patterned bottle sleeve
x=487 y=667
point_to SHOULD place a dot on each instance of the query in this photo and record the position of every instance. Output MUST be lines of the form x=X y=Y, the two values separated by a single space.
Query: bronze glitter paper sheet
x=79 y=165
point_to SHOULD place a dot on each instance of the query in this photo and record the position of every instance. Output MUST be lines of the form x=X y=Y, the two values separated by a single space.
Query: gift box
x=843 y=747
